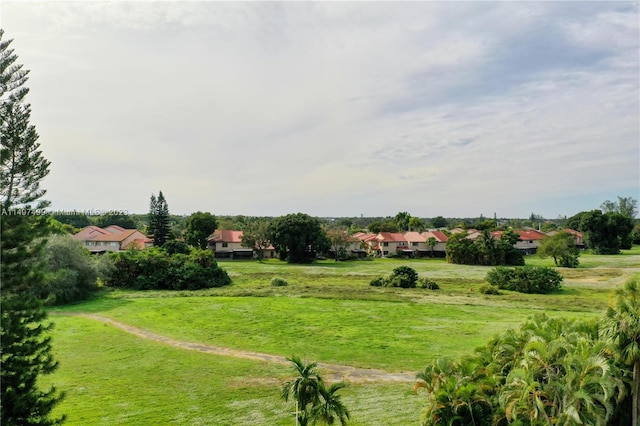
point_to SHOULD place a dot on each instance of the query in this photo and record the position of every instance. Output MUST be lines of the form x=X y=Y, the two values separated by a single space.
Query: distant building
x=111 y=238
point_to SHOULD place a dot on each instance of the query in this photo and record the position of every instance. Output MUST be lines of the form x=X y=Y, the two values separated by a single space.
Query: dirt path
x=333 y=372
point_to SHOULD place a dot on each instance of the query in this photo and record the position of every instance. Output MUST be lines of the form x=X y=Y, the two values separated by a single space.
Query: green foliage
x=78 y=221
x=429 y=284
x=378 y=282
x=159 y=226
x=154 y=268
x=439 y=222
x=71 y=271
x=123 y=220
x=621 y=327
x=25 y=351
x=315 y=402
x=199 y=227
x=25 y=348
x=256 y=236
x=297 y=237
x=404 y=276
x=279 y=282
x=549 y=371
x=561 y=247
x=486 y=250
x=402 y=220
x=176 y=246
x=388 y=225
x=489 y=289
x=525 y=279
x=626 y=206
x=604 y=233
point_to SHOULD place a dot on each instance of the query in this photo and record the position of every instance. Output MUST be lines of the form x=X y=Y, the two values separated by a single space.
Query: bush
x=279 y=282
x=71 y=272
x=404 y=276
x=428 y=283
x=489 y=289
x=525 y=279
x=155 y=268
x=378 y=282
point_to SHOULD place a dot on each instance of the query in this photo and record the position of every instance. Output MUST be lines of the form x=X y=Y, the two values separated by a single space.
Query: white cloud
x=333 y=108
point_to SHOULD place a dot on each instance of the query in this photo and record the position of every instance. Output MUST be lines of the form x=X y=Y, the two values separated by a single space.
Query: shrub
x=279 y=282
x=155 y=268
x=489 y=289
x=525 y=279
x=428 y=283
x=378 y=282
x=404 y=276
x=70 y=271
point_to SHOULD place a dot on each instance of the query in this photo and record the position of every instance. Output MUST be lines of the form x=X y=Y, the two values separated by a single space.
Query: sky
x=454 y=109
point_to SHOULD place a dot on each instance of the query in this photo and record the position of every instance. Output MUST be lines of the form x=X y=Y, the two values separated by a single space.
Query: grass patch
x=327 y=313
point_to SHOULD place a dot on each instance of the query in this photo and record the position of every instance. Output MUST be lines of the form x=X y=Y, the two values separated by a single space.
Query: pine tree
x=159 y=224
x=25 y=347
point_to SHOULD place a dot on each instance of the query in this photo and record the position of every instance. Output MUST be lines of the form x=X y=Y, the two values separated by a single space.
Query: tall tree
x=297 y=237
x=25 y=347
x=605 y=233
x=315 y=401
x=159 y=221
x=199 y=227
x=304 y=389
x=626 y=206
x=621 y=326
x=256 y=237
x=402 y=220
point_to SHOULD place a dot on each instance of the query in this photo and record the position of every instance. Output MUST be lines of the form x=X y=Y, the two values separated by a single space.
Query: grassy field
x=327 y=313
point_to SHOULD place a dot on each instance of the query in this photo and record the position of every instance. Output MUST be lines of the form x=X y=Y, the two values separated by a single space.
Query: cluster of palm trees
x=548 y=372
x=315 y=400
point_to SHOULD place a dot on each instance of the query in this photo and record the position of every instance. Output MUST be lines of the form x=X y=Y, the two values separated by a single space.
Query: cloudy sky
x=334 y=108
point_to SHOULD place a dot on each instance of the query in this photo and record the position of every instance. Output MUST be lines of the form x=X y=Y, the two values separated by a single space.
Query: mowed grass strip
x=111 y=377
x=393 y=336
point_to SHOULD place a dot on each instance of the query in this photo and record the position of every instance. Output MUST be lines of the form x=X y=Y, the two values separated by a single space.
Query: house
x=528 y=242
x=392 y=242
x=363 y=241
x=112 y=238
x=577 y=236
x=440 y=247
x=417 y=243
x=227 y=244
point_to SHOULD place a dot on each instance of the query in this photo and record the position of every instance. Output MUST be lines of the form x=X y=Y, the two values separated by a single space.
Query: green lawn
x=328 y=313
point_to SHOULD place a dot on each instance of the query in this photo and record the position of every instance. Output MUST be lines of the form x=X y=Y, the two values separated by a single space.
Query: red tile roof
x=524 y=234
x=391 y=237
x=415 y=237
x=226 y=236
x=440 y=236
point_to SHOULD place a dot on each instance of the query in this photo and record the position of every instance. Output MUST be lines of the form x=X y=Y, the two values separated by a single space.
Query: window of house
x=113 y=244
x=414 y=244
x=224 y=244
x=385 y=244
x=385 y=252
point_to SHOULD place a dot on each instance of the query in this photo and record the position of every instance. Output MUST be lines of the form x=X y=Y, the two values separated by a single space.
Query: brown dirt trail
x=334 y=371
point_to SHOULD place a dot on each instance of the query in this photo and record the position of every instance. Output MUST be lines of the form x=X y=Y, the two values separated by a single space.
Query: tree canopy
x=199 y=227
x=297 y=237
x=25 y=346
x=159 y=225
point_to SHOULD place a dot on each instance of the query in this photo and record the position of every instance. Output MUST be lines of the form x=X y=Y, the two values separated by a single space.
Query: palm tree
x=621 y=327
x=431 y=242
x=330 y=407
x=304 y=389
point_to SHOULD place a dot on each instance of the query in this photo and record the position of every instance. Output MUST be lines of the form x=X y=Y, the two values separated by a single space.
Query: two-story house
x=227 y=244
x=111 y=238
